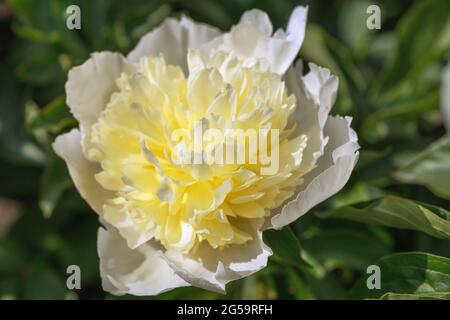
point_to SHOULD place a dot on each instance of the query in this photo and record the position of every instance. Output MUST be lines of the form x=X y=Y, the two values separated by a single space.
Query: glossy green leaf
x=408 y=273
x=397 y=212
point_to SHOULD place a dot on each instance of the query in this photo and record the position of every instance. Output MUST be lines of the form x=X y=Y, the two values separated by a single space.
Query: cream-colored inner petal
x=183 y=204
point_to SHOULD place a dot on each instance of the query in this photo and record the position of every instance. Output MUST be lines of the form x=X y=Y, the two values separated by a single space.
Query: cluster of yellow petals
x=183 y=205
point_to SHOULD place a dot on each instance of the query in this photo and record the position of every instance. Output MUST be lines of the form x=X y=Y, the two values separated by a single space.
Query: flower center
x=182 y=204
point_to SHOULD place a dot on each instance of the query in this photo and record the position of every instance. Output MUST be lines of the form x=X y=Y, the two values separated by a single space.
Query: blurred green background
x=395 y=202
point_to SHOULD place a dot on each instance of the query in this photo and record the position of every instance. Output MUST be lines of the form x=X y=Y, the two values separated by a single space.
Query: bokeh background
x=389 y=82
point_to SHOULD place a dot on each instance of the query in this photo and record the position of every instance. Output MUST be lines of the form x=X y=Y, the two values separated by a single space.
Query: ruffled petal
x=212 y=270
x=68 y=147
x=141 y=272
x=331 y=174
x=252 y=38
x=172 y=39
x=89 y=88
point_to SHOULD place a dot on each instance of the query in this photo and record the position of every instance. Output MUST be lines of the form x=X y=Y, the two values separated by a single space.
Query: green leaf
x=45 y=21
x=326 y=287
x=397 y=212
x=45 y=284
x=350 y=248
x=54 y=117
x=367 y=157
x=16 y=146
x=360 y=192
x=408 y=273
x=321 y=48
x=286 y=248
x=81 y=251
x=415 y=106
x=211 y=12
x=94 y=21
x=37 y=63
x=351 y=17
x=422 y=296
x=431 y=168
x=285 y=244
x=153 y=20
x=297 y=286
x=12 y=256
x=53 y=183
x=422 y=36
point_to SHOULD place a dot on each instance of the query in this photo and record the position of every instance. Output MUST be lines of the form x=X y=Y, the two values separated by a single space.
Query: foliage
x=393 y=212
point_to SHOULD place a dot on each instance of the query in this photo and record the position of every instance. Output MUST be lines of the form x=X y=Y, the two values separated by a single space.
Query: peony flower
x=170 y=224
x=445 y=97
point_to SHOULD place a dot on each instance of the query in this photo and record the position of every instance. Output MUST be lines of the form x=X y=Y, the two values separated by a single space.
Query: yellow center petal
x=183 y=204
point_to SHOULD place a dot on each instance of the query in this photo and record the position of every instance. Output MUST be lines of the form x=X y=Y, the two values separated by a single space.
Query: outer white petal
x=139 y=272
x=210 y=269
x=315 y=93
x=172 y=39
x=252 y=38
x=89 y=88
x=68 y=147
x=445 y=97
x=332 y=146
x=331 y=174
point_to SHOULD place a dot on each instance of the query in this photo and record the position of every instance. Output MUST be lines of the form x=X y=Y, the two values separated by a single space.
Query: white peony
x=169 y=225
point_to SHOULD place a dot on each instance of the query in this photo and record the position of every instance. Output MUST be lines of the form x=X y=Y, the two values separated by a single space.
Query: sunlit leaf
x=400 y=213
x=408 y=273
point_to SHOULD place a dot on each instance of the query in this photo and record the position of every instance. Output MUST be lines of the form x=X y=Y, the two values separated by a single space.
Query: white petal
x=172 y=39
x=445 y=97
x=89 y=88
x=68 y=147
x=331 y=174
x=259 y=19
x=210 y=269
x=139 y=272
x=252 y=38
x=315 y=93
